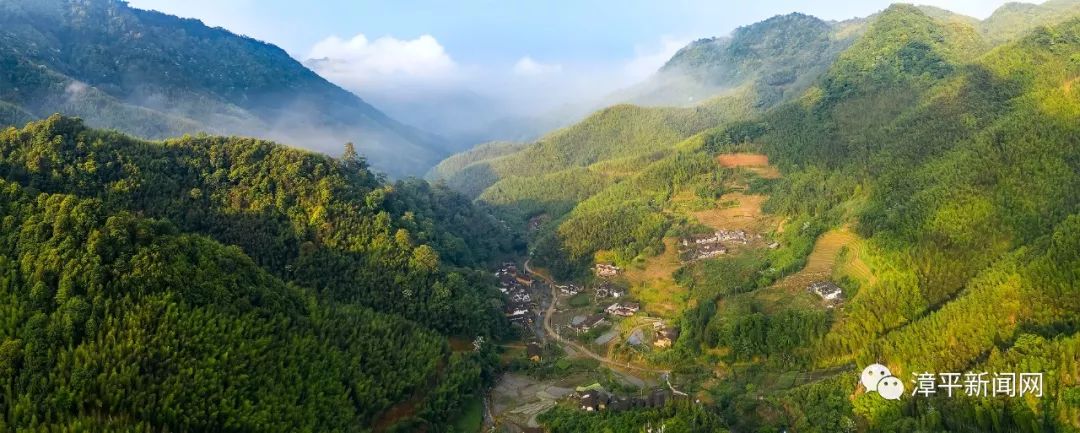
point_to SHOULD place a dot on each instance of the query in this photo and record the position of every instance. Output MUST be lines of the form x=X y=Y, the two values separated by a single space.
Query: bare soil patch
x=736 y=211
x=755 y=162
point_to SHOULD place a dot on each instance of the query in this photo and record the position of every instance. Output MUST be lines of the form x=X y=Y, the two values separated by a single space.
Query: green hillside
x=157 y=76
x=567 y=166
x=1014 y=19
x=210 y=283
x=780 y=57
x=948 y=150
x=924 y=164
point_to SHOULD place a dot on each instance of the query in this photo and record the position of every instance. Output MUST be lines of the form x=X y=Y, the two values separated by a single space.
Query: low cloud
x=418 y=82
x=650 y=58
x=527 y=67
x=359 y=63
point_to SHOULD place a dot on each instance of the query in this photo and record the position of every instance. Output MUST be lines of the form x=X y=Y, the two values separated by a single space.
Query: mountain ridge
x=175 y=76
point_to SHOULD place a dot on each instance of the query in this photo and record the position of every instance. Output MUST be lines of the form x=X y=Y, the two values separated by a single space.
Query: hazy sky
x=552 y=48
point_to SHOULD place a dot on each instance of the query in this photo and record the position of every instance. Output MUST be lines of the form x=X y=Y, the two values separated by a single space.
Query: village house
x=606 y=271
x=595 y=398
x=827 y=290
x=533 y=352
x=594 y=401
x=518 y=315
x=619 y=404
x=589 y=323
x=624 y=309
x=520 y=297
x=710 y=251
x=608 y=290
x=666 y=336
x=720 y=236
x=569 y=289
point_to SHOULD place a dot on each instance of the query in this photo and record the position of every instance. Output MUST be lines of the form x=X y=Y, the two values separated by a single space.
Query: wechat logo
x=877 y=378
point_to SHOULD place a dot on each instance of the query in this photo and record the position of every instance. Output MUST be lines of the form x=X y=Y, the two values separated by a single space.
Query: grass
x=822 y=260
x=579 y=300
x=653 y=284
x=737 y=211
x=774 y=299
x=471 y=418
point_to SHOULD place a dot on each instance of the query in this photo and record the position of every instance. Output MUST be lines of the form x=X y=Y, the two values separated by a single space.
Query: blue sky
x=502 y=31
x=543 y=52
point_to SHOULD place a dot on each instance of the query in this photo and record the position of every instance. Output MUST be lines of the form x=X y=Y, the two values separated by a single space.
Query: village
x=716 y=244
x=522 y=307
x=596 y=341
x=605 y=318
x=601 y=319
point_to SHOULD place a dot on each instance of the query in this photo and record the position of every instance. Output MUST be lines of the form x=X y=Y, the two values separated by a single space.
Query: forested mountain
x=948 y=146
x=210 y=284
x=779 y=56
x=157 y=76
x=968 y=168
x=590 y=148
x=1015 y=19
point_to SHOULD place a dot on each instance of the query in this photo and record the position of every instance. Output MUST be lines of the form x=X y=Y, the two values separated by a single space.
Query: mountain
x=211 y=283
x=618 y=132
x=156 y=76
x=914 y=203
x=929 y=170
x=779 y=56
x=1015 y=19
x=758 y=67
x=783 y=55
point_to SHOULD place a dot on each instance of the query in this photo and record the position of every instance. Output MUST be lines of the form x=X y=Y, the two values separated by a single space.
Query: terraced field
x=737 y=211
x=823 y=260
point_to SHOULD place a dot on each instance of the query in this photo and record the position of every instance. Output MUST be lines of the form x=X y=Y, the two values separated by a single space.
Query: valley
x=789 y=246
x=723 y=247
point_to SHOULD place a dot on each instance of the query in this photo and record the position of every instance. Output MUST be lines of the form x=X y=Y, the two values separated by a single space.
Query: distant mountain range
x=156 y=75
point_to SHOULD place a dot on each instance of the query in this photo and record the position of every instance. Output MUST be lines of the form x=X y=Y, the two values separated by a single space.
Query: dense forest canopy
x=210 y=283
x=171 y=285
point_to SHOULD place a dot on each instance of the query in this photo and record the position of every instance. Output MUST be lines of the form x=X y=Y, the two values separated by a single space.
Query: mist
x=419 y=83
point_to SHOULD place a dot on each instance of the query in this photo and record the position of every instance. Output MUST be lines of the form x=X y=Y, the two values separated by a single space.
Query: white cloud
x=360 y=63
x=531 y=68
x=649 y=59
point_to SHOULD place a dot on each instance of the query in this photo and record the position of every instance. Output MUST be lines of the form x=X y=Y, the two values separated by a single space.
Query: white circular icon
x=890 y=388
x=872 y=374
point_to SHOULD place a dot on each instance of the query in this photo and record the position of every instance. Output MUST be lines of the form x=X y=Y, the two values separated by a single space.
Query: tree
x=352 y=159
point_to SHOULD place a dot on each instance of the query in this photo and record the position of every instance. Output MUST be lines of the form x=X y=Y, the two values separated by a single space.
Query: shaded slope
x=159 y=75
